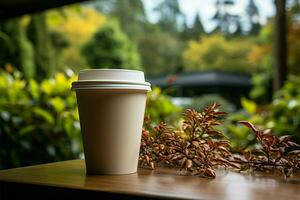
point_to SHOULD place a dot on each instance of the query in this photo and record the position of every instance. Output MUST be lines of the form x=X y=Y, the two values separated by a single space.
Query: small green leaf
x=33 y=88
x=47 y=86
x=44 y=114
x=27 y=129
x=58 y=104
x=248 y=105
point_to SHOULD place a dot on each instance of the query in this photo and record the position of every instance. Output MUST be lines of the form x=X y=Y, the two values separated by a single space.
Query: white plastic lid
x=111 y=79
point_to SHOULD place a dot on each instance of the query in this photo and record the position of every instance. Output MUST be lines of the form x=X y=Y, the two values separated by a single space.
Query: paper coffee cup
x=111 y=104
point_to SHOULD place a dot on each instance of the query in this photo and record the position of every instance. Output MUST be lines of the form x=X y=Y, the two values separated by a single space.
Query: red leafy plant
x=272 y=154
x=197 y=147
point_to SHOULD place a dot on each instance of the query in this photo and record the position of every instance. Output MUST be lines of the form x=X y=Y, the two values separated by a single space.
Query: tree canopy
x=215 y=52
x=110 y=48
x=170 y=14
x=16 y=50
x=194 y=32
x=253 y=17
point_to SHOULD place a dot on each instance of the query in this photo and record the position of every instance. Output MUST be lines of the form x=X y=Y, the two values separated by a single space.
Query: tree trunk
x=280 y=45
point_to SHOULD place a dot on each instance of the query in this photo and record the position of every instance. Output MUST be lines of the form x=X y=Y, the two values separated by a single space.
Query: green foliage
x=282 y=115
x=199 y=103
x=284 y=111
x=169 y=14
x=263 y=54
x=215 y=52
x=195 y=32
x=239 y=135
x=249 y=106
x=15 y=48
x=71 y=27
x=131 y=15
x=158 y=44
x=27 y=55
x=43 y=50
x=160 y=52
x=59 y=42
x=39 y=122
x=160 y=108
x=110 y=48
x=262 y=86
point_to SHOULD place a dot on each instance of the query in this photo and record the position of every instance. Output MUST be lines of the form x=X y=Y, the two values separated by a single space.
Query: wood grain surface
x=160 y=183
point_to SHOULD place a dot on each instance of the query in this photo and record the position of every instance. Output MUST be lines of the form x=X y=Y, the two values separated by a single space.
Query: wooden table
x=65 y=180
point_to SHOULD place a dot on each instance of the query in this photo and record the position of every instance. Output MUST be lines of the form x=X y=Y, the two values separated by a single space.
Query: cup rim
x=124 y=70
x=109 y=81
x=135 y=79
x=112 y=86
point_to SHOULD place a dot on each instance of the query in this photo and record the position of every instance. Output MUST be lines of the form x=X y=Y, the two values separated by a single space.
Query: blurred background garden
x=244 y=54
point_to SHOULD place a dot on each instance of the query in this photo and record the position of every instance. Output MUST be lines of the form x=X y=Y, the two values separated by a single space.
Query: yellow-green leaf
x=44 y=114
x=58 y=104
x=248 y=105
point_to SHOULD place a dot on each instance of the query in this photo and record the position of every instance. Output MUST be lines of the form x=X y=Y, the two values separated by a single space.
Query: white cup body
x=111 y=125
x=111 y=119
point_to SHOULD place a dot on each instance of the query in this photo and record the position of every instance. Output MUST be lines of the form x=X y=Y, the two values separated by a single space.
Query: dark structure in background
x=14 y=8
x=230 y=86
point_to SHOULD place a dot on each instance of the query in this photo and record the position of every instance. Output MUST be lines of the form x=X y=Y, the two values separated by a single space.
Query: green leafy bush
x=15 y=48
x=199 y=103
x=282 y=115
x=218 y=53
x=110 y=48
x=160 y=52
x=238 y=134
x=160 y=107
x=284 y=112
x=39 y=121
